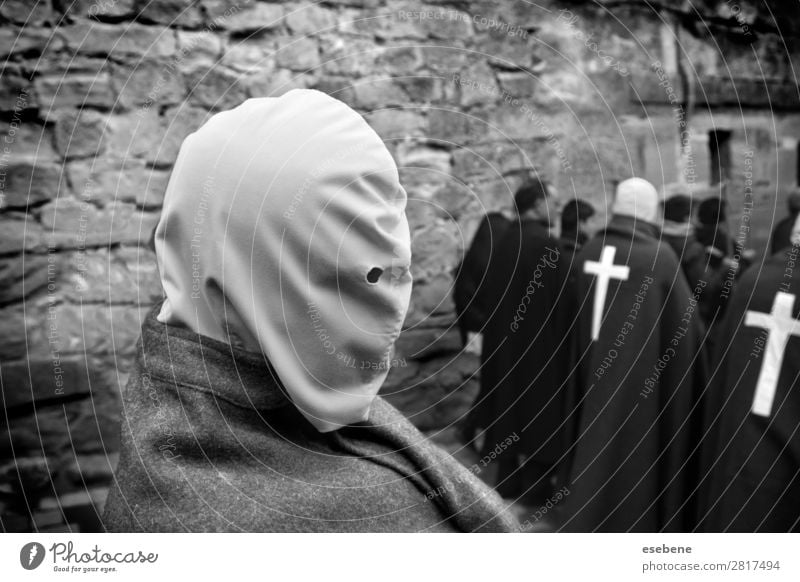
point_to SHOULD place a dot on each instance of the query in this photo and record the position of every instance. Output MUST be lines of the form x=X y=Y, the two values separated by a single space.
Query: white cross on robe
x=780 y=326
x=604 y=270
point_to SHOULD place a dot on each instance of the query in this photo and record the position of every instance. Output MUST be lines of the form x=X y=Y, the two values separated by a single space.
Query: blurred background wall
x=96 y=97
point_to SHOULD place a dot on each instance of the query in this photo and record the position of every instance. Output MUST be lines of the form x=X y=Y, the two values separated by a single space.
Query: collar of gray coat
x=181 y=357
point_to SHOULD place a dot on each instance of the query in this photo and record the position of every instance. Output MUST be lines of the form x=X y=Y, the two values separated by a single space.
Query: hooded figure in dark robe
x=473 y=295
x=575 y=229
x=636 y=380
x=678 y=231
x=284 y=253
x=472 y=288
x=752 y=444
x=712 y=228
x=524 y=351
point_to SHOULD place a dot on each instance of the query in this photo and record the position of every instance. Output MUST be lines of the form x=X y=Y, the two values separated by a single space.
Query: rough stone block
x=488 y=160
x=215 y=88
x=374 y=93
x=87 y=37
x=26 y=13
x=420 y=212
x=278 y=83
x=111 y=179
x=338 y=87
x=356 y=3
x=424 y=88
x=155 y=138
x=64 y=64
x=13 y=340
x=28 y=41
x=297 y=54
x=19 y=232
x=309 y=18
x=72 y=223
x=446 y=23
x=28 y=182
x=396 y=124
x=36 y=380
x=523 y=123
x=258 y=16
x=21 y=276
x=435 y=249
x=94 y=329
x=101 y=8
x=81 y=133
x=185 y=13
x=148 y=82
x=86 y=426
x=511 y=52
x=348 y=56
x=180 y=122
x=399 y=59
x=386 y=24
x=430 y=299
x=454 y=200
x=446 y=58
x=454 y=127
x=75 y=91
x=423 y=169
x=25 y=138
x=521 y=84
x=250 y=56
x=17 y=93
x=128 y=275
x=196 y=46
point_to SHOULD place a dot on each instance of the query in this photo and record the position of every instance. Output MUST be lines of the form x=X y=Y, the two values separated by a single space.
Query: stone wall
x=96 y=97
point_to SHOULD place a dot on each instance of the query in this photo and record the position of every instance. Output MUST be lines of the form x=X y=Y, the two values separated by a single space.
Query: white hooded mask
x=283 y=232
x=638 y=198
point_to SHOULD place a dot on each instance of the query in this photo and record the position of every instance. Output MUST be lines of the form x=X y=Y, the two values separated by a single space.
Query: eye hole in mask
x=373 y=275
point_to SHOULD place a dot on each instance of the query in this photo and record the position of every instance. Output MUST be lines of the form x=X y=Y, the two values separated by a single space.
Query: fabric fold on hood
x=283 y=232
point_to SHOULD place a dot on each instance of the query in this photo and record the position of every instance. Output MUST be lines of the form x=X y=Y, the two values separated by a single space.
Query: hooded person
x=678 y=231
x=636 y=378
x=471 y=284
x=523 y=364
x=751 y=444
x=712 y=230
x=284 y=254
x=575 y=228
x=474 y=299
x=700 y=264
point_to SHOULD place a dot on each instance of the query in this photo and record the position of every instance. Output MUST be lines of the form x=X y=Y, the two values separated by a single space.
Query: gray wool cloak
x=211 y=442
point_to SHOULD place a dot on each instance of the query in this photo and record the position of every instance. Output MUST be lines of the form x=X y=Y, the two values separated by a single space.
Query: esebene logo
x=67 y=559
x=31 y=555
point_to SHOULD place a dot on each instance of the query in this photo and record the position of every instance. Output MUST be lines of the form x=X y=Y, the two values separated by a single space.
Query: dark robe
x=211 y=442
x=692 y=254
x=714 y=236
x=528 y=370
x=752 y=459
x=571 y=243
x=472 y=284
x=782 y=233
x=634 y=391
x=701 y=264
